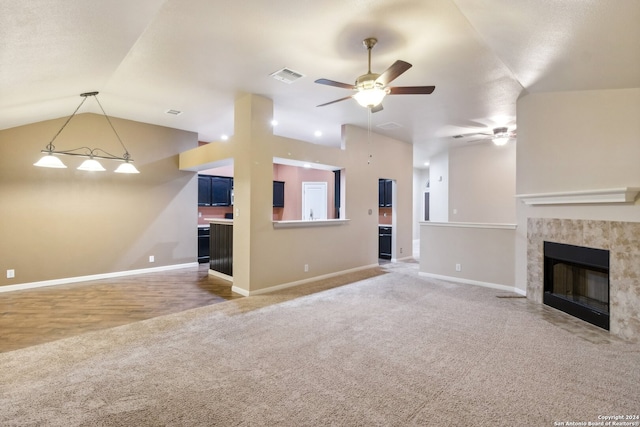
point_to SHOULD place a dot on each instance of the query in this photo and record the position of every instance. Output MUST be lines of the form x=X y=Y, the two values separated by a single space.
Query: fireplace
x=576 y=281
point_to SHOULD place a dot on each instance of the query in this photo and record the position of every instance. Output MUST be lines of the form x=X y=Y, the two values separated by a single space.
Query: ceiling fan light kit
x=500 y=136
x=370 y=98
x=49 y=160
x=371 y=88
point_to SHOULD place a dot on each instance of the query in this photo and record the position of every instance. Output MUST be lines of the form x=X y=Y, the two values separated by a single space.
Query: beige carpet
x=393 y=349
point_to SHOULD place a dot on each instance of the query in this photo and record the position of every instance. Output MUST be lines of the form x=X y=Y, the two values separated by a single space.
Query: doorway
x=314 y=201
x=386 y=219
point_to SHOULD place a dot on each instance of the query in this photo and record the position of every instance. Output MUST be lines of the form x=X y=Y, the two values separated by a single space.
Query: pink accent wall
x=386 y=220
x=212 y=212
x=294 y=177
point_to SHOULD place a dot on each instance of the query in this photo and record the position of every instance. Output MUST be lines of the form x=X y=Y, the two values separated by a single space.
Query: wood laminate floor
x=40 y=315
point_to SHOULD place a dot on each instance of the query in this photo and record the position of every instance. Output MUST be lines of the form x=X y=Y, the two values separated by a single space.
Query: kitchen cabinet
x=278 y=194
x=384 y=242
x=385 y=193
x=214 y=190
x=221 y=248
x=336 y=192
x=203 y=244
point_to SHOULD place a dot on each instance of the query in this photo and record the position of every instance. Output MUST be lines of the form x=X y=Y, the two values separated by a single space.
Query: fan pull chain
x=369 y=135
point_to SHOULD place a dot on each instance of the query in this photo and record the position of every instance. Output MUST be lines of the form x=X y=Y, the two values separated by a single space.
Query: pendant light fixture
x=50 y=159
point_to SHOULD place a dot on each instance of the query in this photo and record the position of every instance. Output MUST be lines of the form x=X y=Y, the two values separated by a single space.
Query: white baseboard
x=407 y=258
x=299 y=282
x=221 y=275
x=475 y=283
x=240 y=291
x=520 y=292
x=64 y=281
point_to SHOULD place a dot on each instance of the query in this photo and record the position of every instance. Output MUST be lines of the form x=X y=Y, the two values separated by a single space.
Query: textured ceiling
x=196 y=56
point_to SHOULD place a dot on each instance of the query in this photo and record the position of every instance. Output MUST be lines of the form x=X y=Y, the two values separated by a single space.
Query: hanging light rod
x=91 y=164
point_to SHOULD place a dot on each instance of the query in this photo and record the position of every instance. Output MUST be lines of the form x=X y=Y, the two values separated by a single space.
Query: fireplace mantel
x=610 y=195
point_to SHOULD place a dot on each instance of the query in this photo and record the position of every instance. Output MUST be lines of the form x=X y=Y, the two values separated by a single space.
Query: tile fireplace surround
x=622 y=239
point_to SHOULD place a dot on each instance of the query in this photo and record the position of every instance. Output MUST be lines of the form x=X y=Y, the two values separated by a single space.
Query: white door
x=314 y=200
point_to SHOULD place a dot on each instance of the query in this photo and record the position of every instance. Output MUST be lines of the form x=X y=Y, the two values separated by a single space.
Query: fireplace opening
x=576 y=281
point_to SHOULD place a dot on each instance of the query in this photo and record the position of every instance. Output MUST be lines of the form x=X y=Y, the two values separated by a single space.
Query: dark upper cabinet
x=204 y=190
x=214 y=190
x=385 y=193
x=278 y=194
x=221 y=190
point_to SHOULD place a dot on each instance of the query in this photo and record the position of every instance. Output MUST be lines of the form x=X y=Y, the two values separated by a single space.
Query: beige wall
x=571 y=141
x=482 y=183
x=439 y=187
x=64 y=223
x=420 y=180
x=265 y=257
x=486 y=254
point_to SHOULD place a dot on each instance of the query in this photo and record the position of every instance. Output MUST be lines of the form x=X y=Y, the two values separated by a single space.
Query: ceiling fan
x=371 y=88
x=500 y=135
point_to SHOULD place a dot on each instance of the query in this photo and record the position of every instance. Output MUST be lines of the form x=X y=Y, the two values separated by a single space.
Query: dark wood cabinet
x=384 y=242
x=385 y=193
x=203 y=244
x=221 y=187
x=278 y=194
x=214 y=190
x=204 y=190
x=336 y=192
x=221 y=248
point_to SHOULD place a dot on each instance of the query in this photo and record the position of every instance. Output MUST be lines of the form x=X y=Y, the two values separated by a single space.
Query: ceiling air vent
x=174 y=112
x=286 y=75
x=389 y=126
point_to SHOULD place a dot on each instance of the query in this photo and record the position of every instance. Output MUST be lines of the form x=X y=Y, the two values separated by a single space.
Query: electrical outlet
x=458 y=267
x=400 y=250
x=306 y=268
x=11 y=274
x=152 y=258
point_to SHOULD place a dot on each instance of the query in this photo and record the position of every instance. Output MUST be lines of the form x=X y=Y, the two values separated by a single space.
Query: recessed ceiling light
x=224 y=137
x=318 y=134
x=274 y=123
x=174 y=112
x=426 y=163
x=306 y=165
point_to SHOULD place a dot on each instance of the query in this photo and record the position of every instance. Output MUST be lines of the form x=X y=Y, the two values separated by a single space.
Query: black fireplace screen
x=576 y=281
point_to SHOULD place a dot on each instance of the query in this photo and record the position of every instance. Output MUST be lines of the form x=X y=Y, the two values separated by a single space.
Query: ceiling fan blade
x=411 y=90
x=377 y=108
x=467 y=135
x=333 y=102
x=391 y=73
x=334 y=83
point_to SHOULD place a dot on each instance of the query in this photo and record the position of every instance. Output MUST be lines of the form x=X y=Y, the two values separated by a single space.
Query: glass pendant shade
x=50 y=161
x=91 y=165
x=126 y=167
x=501 y=140
x=370 y=98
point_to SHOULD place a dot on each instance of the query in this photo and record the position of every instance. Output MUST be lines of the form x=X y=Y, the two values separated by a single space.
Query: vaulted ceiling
x=149 y=56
